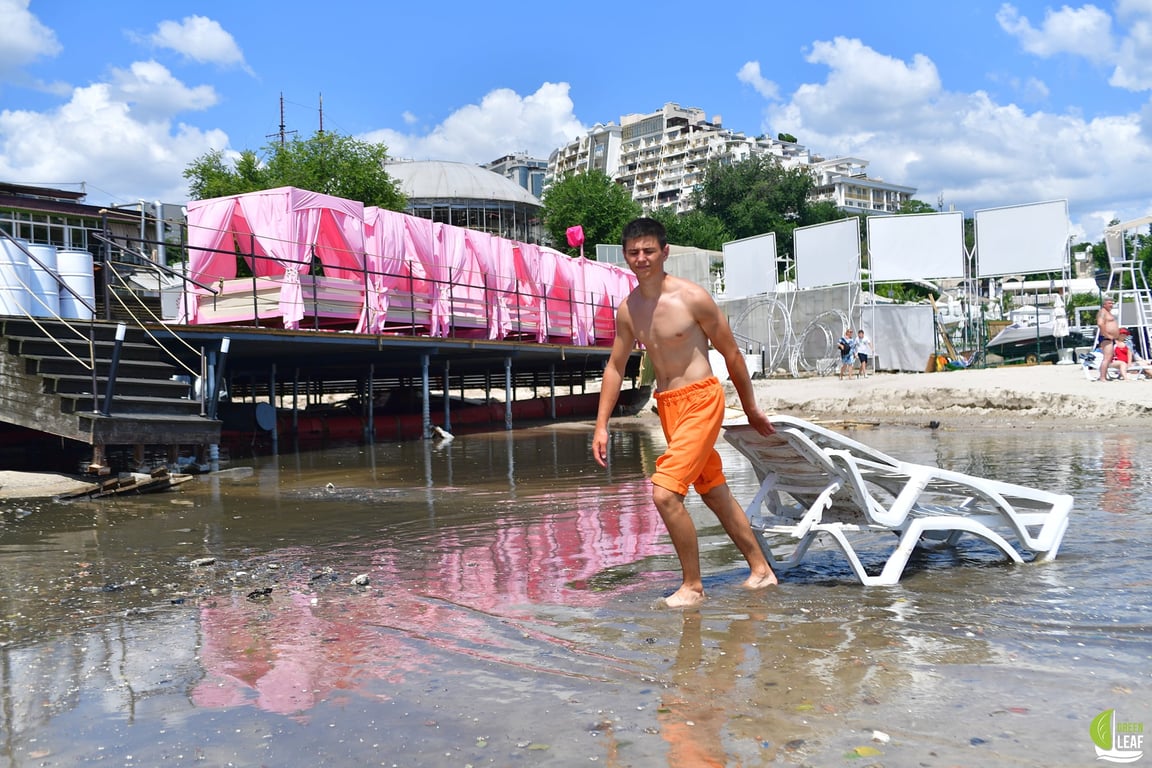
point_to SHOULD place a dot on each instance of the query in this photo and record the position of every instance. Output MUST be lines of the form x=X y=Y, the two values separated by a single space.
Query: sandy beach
x=1030 y=397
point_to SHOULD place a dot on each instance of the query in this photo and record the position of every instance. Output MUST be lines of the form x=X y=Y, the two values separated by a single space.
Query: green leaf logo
x=1101 y=729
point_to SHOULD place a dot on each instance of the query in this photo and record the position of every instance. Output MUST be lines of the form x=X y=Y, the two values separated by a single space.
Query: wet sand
x=509 y=615
x=1039 y=397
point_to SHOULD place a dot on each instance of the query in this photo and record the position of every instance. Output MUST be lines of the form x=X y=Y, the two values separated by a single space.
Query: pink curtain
x=558 y=278
x=495 y=259
x=279 y=230
x=208 y=231
x=457 y=277
x=386 y=262
x=530 y=288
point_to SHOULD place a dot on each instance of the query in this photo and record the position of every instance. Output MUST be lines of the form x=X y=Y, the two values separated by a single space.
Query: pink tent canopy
x=278 y=231
x=468 y=279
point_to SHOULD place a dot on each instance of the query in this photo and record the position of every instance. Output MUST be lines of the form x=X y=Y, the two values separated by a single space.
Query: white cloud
x=154 y=93
x=409 y=118
x=974 y=152
x=96 y=138
x=200 y=39
x=23 y=39
x=1125 y=42
x=1134 y=56
x=503 y=121
x=1084 y=31
x=884 y=93
x=750 y=75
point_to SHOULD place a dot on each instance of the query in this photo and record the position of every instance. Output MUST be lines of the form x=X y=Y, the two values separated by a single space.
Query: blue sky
x=979 y=104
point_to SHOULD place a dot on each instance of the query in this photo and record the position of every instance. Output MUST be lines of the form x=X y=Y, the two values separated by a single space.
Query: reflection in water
x=509 y=617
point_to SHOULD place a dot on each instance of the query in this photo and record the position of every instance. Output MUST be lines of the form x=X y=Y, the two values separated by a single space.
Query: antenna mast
x=321 y=114
x=282 y=133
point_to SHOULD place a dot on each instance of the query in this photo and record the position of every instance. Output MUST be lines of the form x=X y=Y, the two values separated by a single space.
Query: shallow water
x=509 y=618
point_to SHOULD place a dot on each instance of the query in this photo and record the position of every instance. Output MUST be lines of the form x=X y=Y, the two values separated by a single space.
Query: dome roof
x=438 y=180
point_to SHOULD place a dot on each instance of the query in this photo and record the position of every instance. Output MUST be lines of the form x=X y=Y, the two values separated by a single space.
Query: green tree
x=591 y=200
x=212 y=175
x=757 y=195
x=915 y=206
x=694 y=229
x=326 y=162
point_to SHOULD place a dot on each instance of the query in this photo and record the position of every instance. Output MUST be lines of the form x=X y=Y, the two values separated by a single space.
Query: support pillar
x=447 y=407
x=508 y=393
x=425 y=406
x=552 y=391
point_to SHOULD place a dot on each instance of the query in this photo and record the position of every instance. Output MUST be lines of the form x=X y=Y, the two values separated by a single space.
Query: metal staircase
x=96 y=390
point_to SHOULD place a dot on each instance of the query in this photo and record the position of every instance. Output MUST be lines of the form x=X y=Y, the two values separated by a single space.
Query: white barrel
x=15 y=278
x=75 y=268
x=44 y=297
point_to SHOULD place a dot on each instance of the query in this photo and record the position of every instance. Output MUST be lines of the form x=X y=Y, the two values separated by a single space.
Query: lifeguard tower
x=1127 y=285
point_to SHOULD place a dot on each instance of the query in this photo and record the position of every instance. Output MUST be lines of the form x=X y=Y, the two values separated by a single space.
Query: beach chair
x=816 y=482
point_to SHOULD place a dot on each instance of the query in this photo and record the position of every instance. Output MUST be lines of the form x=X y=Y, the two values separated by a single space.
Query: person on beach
x=675 y=320
x=846 y=346
x=1109 y=332
x=863 y=351
x=1126 y=360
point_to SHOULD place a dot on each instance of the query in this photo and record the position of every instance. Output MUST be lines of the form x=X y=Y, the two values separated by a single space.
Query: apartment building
x=845 y=181
x=660 y=157
x=597 y=150
x=528 y=172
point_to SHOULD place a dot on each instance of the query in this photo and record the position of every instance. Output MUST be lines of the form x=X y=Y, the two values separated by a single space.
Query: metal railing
x=58 y=332
x=469 y=300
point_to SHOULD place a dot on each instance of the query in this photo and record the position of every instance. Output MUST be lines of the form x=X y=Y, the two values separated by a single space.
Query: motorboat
x=1036 y=343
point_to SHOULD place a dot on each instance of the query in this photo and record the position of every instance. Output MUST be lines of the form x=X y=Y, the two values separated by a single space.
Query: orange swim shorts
x=691 y=417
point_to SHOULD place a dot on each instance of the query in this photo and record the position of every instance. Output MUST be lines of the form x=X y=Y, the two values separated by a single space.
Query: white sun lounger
x=815 y=481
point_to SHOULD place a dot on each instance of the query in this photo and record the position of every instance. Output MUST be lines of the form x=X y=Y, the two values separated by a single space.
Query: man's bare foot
x=684 y=597
x=761 y=580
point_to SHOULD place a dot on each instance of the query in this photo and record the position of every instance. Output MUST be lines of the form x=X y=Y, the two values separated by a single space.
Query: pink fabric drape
x=530 y=289
x=459 y=285
x=387 y=264
x=558 y=277
x=278 y=230
x=209 y=228
x=496 y=261
x=455 y=273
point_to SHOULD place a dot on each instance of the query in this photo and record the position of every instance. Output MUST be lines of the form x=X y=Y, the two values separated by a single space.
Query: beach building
x=469 y=196
x=60 y=217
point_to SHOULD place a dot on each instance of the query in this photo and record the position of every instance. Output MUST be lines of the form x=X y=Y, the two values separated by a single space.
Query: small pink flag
x=576 y=236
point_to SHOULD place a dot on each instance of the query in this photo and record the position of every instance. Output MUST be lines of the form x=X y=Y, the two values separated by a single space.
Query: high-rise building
x=660 y=157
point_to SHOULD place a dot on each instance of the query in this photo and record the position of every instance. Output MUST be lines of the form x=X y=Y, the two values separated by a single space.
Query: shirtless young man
x=1109 y=333
x=675 y=320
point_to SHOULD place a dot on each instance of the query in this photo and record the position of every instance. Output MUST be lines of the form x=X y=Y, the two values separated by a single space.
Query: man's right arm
x=610 y=383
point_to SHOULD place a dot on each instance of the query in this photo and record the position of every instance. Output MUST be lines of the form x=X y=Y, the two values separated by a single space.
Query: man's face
x=644 y=255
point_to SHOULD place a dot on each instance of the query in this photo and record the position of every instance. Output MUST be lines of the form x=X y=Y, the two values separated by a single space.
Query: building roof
x=439 y=180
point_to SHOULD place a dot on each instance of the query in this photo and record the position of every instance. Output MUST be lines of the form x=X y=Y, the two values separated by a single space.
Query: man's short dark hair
x=644 y=227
